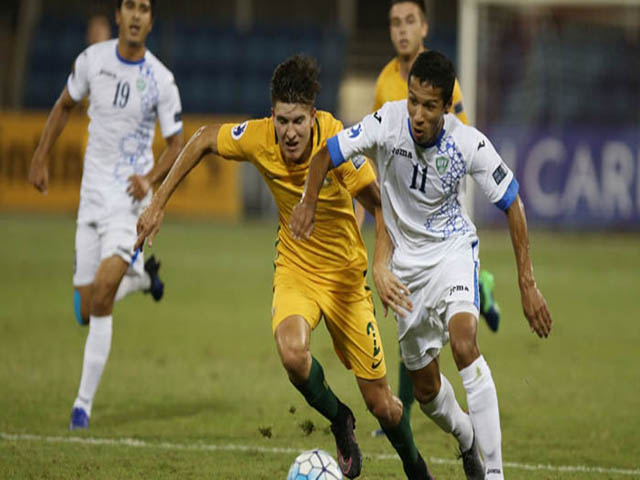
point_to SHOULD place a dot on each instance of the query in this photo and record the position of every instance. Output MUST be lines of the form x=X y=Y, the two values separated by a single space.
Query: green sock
x=317 y=392
x=405 y=388
x=401 y=438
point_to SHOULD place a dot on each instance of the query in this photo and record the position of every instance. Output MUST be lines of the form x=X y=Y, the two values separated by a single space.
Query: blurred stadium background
x=555 y=85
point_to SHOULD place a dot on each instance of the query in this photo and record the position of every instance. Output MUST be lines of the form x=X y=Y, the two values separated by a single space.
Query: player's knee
x=385 y=410
x=81 y=317
x=102 y=298
x=382 y=404
x=426 y=389
x=296 y=360
x=465 y=351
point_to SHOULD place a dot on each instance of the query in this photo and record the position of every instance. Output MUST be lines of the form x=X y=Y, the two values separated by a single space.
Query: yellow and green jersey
x=390 y=86
x=335 y=255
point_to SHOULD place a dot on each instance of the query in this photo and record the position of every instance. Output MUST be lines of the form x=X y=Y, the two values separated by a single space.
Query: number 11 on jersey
x=423 y=178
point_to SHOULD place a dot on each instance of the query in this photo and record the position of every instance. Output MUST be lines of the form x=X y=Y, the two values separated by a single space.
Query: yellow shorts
x=352 y=325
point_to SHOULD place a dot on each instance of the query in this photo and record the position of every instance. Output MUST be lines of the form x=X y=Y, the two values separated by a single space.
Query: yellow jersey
x=390 y=86
x=334 y=256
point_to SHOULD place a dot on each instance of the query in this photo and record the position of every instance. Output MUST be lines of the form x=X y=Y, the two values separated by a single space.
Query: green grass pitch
x=194 y=388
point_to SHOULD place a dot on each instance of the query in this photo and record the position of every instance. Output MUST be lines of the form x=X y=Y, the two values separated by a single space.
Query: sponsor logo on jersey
x=239 y=130
x=358 y=161
x=442 y=163
x=401 y=152
x=499 y=174
x=177 y=117
x=481 y=145
x=355 y=131
x=107 y=73
x=458 y=288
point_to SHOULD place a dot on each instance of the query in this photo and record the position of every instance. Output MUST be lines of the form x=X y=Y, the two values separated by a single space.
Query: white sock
x=132 y=283
x=445 y=411
x=482 y=400
x=96 y=352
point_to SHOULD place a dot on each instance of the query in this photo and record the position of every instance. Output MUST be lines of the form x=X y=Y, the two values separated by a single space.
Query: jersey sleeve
x=170 y=109
x=240 y=141
x=493 y=176
x=361 y=139
x=78 y=81
x=457 y=107
x=355 y=174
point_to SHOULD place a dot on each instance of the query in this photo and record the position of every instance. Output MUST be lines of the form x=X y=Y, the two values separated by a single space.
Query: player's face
x=135 y=21
x=426 y=110
x=294 y=123
x=408 y=28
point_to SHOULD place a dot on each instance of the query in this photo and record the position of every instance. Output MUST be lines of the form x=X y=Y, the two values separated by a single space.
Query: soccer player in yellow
x=324 y=277
x=408 y=28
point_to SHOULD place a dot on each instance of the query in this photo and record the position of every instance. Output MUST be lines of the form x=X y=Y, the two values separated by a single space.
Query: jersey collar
x=425 y=145
x=129 y=62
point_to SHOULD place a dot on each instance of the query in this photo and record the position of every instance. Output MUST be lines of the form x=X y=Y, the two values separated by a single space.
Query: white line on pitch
x=131 y=442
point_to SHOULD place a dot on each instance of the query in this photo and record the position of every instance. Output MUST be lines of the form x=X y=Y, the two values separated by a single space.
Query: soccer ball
x=314 y=465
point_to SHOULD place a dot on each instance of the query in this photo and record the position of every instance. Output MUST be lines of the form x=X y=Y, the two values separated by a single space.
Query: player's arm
x=303 y=213
x=533 y=303
x=139 y=185
x=361 y=139
x=392 y=292
x=203 y=142
x=58 y=118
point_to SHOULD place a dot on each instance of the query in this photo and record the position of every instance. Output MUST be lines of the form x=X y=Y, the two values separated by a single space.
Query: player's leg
x=356 y=338
x=86 y=262
x=82 y=303
x=482 y=398
x=141 y=279
x=405 y=393
x=98 y=343
x=437 y=400
x=394 y=420
x=489 y=308
x=292 y=336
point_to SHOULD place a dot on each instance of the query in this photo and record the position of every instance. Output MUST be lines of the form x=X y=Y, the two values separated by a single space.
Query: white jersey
x=125 y=98
x=420 y=184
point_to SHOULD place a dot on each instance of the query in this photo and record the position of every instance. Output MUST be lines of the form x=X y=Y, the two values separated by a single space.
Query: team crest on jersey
x=239 y=130
x=355 y=131
x=141 y=84
x=358 y=161
x=442 y=163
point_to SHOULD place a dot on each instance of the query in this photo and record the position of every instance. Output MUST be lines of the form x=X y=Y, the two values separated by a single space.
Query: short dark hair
x=437 y=70
x=295 y=81
x=152 y=2
x=419 y=3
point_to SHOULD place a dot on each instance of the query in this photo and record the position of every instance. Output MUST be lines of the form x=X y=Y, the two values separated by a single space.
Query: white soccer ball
x=314 y=465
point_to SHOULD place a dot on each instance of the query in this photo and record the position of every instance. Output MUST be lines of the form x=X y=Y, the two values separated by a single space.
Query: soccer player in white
x=426 y=268
x=128 y=89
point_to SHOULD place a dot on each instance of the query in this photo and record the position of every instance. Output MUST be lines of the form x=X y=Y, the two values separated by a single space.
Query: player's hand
x=39 y=174
x=138 y=186
x=302 y=220
x=393 y=293
x=536 y=310
x=148 y=225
